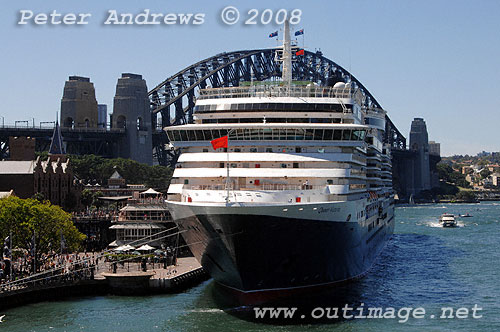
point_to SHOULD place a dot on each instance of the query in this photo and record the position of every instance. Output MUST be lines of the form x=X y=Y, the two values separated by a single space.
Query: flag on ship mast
x=299 y=52
x=300 y=32
x=273 y=34
x=219 y=142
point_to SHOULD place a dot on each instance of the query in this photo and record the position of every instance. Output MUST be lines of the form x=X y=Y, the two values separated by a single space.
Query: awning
x=175 y=188
x=115 y=243
x=145 y=247
x=137 y=226
x=126 y=247
x=150 y=191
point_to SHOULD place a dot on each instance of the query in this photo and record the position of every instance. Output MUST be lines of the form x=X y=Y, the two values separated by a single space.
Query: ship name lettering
x=331 y=210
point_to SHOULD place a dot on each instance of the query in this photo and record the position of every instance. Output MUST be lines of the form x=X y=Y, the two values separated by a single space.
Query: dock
x=129 y=279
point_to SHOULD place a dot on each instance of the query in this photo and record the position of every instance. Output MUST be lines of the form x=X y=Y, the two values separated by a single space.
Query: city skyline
x=436 y=60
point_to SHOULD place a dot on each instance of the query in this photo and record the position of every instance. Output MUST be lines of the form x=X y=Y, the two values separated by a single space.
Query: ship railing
x=263 y=187
x=278 y=91
x=376 y=112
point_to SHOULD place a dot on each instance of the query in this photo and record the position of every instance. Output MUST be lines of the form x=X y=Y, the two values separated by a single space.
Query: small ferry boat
x=448 y=220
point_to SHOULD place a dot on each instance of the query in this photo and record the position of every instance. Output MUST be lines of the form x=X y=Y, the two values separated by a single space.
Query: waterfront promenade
x=90 y=274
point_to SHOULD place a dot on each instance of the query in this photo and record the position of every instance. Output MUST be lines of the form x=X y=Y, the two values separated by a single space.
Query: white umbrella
x=128 y=247
x=145 y=247
x=120 y=248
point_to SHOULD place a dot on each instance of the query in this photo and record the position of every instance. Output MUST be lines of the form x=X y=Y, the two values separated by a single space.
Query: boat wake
x=207 y=310
x=438 y=225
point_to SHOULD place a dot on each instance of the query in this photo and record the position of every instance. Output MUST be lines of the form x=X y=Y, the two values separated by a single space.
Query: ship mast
x=287 y=55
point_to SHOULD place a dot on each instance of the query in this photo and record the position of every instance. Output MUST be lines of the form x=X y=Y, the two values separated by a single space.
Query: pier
x=130 y=279
x=99 y=280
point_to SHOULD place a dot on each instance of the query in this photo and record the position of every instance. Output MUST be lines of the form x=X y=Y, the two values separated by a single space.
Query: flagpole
x=227 y=167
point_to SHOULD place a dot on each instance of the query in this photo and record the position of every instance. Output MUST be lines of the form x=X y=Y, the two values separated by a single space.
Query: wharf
x=128 y=280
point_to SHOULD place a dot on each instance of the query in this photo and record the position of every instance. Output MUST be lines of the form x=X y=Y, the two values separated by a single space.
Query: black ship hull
x=263 y=255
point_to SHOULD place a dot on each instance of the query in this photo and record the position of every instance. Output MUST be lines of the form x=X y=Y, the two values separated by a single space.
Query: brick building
x=51 y=177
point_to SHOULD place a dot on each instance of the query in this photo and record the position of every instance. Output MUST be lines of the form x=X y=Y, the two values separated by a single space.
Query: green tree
x=467 y=196
x=87 y=197
x=448 y=174
x=29 y=218
x=485 y=173
x=92 y=168
x=91 y=198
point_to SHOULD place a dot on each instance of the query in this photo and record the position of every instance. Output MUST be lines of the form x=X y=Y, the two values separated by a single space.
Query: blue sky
x=439 y=59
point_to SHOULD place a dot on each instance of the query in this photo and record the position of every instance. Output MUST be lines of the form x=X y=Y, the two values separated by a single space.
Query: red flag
x=219 y=142
x=299 y=52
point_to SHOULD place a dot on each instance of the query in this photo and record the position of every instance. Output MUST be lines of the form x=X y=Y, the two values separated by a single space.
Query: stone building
x=419 y=143
x=22 y=148
x=78 y=104
x=131 y=111
x=434 y=148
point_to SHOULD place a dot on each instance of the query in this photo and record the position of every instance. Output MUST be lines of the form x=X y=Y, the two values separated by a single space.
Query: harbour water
x=423 y=266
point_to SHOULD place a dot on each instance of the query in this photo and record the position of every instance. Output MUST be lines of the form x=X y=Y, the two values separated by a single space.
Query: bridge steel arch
x=172 y=101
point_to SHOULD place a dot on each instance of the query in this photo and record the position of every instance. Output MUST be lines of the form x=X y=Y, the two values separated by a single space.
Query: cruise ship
x=283 y=187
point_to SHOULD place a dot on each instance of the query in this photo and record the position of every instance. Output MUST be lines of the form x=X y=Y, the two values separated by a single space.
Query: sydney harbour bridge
x=172 y=102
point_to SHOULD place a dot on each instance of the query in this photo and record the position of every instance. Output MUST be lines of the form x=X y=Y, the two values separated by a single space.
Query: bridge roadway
x=79 y=141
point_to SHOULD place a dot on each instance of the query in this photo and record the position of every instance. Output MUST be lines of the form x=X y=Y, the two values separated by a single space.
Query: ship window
x=268 y=135
x=221 y=165
x=186 y=181
x=254 y=134
x=283 y=165
x=205 y=150
x=346 y=135
x=208 y=135
x=234 y=165
x=298 y=150
x=237 y=150
x=309 y=134
x=199 y=135
x=282 y=134
x=191 y=136
x=329 y=181
x=337 y=135
x=318 y=134
x=269 y=149
x=328 y=134
x=295 y=165
x=253 y=149
x=183 y=135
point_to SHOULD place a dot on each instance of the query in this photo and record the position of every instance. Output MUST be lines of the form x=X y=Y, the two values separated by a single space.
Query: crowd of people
x=23 y=270
x=97 y=214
